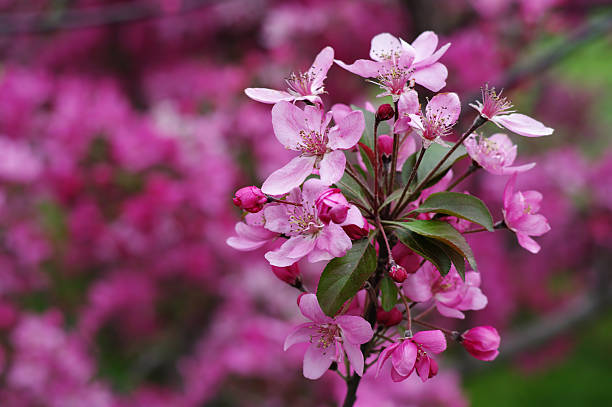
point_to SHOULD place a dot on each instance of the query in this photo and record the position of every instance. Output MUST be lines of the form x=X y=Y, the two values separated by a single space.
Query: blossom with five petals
x=495 y=154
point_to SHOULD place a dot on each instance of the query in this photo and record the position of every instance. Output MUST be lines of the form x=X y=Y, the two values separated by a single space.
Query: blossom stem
x=427 y=311
x=384 y=235
x=410 y=178
x=408 y=313
x=473 y=168
x=428 y=325
x=270 y=199
x=385 y=338
x=351 y=390
x=395 y=152
x=376 y=165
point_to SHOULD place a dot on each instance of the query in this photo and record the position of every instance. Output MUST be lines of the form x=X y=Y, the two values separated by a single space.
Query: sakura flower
x=481 y=342
x=450 y=293
x=329 y=338
x=495 y=154
x=308 y=234
x=306 y=131
x=413 y=353
x=521 y=215
x=302 y=86
x=251 y=233
x=441 y=113
x=498 y=110
x=394 y=63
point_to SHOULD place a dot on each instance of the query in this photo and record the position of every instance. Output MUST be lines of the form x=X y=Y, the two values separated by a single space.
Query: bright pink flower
x=332 y=206
x=302 y=86
x=329 y=338
x=482 y=342
x=288 y=274
x=306 y=131
x=394 y=63
x=411 y=353
x=441 y=114
x=450 y=293
x=495 y=154
x=521 y=215
x=250 y=199
x=498 y=110
x=251 y=234
x=308 y=234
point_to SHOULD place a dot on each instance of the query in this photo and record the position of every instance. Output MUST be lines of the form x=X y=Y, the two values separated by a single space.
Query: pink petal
x=533 y=199
x=355 y=329
x=402 y=125
x=533 y=225
x=383 y=46
x=422 y=368
x=485 y=356
x=449 y=311
x=514 y=170
x=334 y=240
x=509 y=191
x=528 y=243
x=316 y=362
x=409 y=103
x=433 y=77
x=311 y=190
x=355 y=357
x=277 y=218
x=446 y=106
x=243 y=244
x=433 y=58
x=331 y=167
x=523 y=125
x=418 y=285
x=362 y=67
x=473 y=300
x=310 y=308
x=433 y=341
x=291 y=251
x=384 y=355
x=347 y=132
x=354 y=217
x=317 y=255
x=268 y=95
x=287 y=121
x=339 y=111
x=406 y=149
x=301 y=333
x=396 y=377
x=321 y=65
x=290 y=176
x=425 y=44
x=404 y=357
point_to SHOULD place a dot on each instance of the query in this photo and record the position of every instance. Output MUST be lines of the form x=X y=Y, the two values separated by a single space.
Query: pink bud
x=355 y=232
x=250 y=199
x=384 y=112
x=288 y=274
x=388 y=318
x=332 y=206
x=398 y=273
x=482 y=342
x=385 y=144
x=433 y=368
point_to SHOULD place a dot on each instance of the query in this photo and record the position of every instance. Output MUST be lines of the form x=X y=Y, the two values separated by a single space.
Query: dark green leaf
x=454 y=256
x=350 y=188
x=344 y=276
x=388 y=291
x=427 y=248
x=460 y=205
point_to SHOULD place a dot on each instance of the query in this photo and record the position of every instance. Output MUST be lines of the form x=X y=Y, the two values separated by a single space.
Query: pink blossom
x=521 y=215
x=251 y=199
x=482 y=342
x=411 y=353
x=332 y=206
x=251 y=234
x=495 y=154
x=306 y=131
x=18 y=164
x=498 y=110
x=450 y=293
x=308 y=234
x=329 y=338
x=302 y=86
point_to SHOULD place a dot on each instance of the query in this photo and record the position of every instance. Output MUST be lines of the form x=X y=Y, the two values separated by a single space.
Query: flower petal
x=353 y=352
x=290 y=176
x=291 y=251
x=433 y=77
x=310 y=308
x=527 y=243
x=347 y=132
x=433 y=341
x=422 y=368
x=334 y=240
x=446 y=106
x=288 y=120
x=362 y=67
x=301 y=333
x=331 y=167
x=270 y=96
x=355 y=329
x=320 y=66
x=384 y=355
x=383 y=46
x=425 y=44
x=316 y=362
x=404 y=357
x=523 y=125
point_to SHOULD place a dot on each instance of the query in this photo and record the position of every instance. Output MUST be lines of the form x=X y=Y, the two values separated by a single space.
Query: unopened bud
x=398 y=273
x=332 y=206
x=288 y=274
x=388 y=318
x=385 y=144
x=384 y=112
x=250 y=199
x=355 y=232
x=482 y=342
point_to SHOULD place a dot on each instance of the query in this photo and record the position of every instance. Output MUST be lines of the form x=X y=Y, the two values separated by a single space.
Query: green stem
x=410 y=178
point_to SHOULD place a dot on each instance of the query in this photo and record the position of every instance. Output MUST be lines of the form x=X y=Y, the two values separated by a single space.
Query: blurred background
x=124 y=132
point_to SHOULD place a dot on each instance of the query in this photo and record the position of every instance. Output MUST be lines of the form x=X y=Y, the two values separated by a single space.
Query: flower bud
x=250 y=199
x=388 y=318
x=384 y=112
x=385 y=144
x=288 y=274
x=482 y=342
x=398 y=273
x=332 y=206
x=354 y=232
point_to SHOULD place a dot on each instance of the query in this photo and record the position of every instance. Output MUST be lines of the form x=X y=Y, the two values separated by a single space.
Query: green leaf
x=350 y=188
x=392 y=197
x=426 y=248
x=443 y=232
x=344 y=276
x=463 y=206
x=388 y=291
x=431 y=158
x=453 y=255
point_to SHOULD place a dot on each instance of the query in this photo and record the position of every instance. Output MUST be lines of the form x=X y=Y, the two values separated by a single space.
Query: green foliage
x=463 y=206
x=431 y=158
x=389 y=292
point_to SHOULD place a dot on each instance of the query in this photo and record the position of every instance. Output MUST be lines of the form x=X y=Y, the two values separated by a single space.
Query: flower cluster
x=341 y=201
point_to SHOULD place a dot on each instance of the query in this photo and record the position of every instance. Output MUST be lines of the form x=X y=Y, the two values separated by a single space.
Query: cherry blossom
x=495 y=154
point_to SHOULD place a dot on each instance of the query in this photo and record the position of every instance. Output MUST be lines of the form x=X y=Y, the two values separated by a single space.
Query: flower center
x=435 y=125
x=313 y=142
x=326 y=335
x=494 y=104
x=304 y=222
x=300 y=84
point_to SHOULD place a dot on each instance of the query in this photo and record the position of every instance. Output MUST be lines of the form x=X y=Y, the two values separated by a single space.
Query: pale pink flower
x=482 y=342
x=499 y=110
x=495 y=154
x=302 y=86
x=329 y=338
x=308 y=234
x=413 y=353
x=395 y=63
x=306 y=131
x=441 y=114
x=251 y=234
x=450 y=293
x=521 y=215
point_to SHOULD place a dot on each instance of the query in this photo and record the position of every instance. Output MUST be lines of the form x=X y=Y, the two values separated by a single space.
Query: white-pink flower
x=329 y=338
x=495 y=154
x=302 y=86
x=499 y=110
x=395 y=63
x=308 y=234
x=307 y=132
x=521 y=215
x=450 y=293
